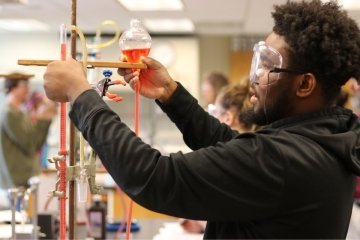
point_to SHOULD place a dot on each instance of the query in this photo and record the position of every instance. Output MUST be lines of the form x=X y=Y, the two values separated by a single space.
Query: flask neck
x=135 y=23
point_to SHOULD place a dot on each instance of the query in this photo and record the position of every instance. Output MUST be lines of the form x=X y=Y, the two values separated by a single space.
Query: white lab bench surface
x=23 y=231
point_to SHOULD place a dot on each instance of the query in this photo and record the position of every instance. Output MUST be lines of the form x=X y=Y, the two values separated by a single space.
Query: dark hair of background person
x=12 y=80
x=322 y=41
x=237 y=96
x=217 y=80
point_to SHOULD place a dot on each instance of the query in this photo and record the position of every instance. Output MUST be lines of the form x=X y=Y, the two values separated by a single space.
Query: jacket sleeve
x=198 y=128
x=26 y=135
x=223 y=183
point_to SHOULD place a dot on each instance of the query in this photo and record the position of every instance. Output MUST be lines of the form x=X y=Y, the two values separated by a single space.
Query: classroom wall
x=214 y=53
x=227 y=54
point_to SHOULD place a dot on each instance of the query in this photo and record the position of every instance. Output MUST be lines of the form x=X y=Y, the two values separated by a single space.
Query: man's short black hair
x=323 y=40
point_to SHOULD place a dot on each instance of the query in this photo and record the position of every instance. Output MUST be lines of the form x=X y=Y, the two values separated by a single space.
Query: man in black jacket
x=294 y=178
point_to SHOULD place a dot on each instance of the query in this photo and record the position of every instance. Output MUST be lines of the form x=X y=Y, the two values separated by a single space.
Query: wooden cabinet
x=240 y=63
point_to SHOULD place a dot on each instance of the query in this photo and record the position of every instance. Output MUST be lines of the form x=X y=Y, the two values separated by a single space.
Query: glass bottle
x=97 y=218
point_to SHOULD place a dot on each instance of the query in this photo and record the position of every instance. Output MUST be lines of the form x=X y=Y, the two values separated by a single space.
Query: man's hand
x=64 y=81
x=155 y=81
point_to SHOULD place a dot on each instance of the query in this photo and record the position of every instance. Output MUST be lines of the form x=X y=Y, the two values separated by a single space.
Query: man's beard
x=269 y=113
x=252 y=117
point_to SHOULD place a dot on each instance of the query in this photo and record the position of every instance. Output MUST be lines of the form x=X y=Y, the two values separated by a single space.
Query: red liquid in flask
x=133 y=55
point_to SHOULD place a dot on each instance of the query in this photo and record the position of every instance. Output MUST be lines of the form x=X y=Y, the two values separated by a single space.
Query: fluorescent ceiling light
x=152 y=5
x=351 y=5
x=14 y=1
x=22 y=25
x=169 y=25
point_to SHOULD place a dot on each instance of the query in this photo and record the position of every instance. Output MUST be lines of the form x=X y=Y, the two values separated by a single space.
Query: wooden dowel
x=91 y=64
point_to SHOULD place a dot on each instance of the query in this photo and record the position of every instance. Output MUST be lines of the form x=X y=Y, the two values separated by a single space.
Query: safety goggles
x=267 y=60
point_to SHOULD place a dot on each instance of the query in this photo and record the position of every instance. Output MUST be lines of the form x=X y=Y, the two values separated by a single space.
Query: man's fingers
x=133 y=81
x=124 y=71
x=130 y=76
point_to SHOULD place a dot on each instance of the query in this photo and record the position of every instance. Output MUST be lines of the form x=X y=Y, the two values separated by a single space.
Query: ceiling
x=225 y=17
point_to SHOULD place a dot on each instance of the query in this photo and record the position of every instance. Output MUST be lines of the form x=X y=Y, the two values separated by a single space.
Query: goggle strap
x=287 y=70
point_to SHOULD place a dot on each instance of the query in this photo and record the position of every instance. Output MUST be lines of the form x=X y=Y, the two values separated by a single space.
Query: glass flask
x=135 y=42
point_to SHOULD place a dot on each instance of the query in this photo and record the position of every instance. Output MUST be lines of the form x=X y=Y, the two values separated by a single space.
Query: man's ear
x=306 y=85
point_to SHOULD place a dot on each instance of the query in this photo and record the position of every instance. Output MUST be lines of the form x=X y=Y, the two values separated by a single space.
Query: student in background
x=346 y=99
x=211 y=84
x=229 y=105
x=32 y=105
x=22 y=133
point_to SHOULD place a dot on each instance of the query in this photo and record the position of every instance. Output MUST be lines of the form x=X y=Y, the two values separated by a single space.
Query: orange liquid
x=63 y=51
x=133 y=55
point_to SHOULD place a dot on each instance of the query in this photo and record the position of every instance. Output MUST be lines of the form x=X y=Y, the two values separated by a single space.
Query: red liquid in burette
x=133 y=55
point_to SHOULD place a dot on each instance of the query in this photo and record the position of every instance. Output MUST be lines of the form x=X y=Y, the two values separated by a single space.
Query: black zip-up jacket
x=292 y=179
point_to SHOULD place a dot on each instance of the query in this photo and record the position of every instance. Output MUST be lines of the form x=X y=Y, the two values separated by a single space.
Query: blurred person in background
x=22 y=133
x=229 y=105
x=348 y=98
x=36 y=100
x=211 y=84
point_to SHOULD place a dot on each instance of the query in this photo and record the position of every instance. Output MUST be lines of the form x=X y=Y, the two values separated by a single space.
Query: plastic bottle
x=135 y=42
x=97 y=218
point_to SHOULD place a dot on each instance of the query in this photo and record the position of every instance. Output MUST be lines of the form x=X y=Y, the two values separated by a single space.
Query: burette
x=62 y=150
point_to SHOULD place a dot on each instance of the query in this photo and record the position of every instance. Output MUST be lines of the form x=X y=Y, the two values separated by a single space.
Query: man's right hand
x=155 y=81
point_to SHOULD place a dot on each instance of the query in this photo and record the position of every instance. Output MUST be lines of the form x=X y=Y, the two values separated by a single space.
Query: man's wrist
x=168 y=92
x=76 y=92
